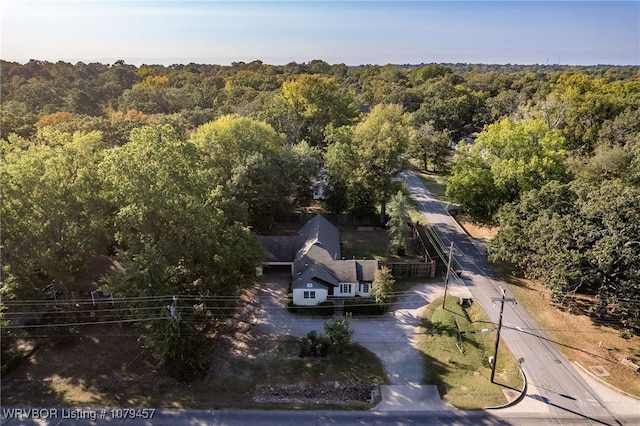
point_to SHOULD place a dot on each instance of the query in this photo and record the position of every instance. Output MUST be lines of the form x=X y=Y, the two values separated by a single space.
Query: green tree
x=398 y=223
x=430 y=146
x=447 y=104
x=253 y=162
x=315 y=101
x=230 y=139
x=338 y=333
x=576 y=238
x=507 y=159
x=52 y=217
x=382 y=140
x=168 y=211
x=362 y=160
x=174 y=229
x=177 y=345
x=383 y=285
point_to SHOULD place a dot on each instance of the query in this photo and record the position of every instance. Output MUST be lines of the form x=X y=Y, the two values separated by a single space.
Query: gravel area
x=329 y=393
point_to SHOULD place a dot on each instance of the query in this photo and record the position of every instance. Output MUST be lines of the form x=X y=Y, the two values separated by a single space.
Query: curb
x=599 y=380
x=516 y=401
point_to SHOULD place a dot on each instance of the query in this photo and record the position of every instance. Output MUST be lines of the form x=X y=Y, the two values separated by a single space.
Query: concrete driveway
x=391 y=337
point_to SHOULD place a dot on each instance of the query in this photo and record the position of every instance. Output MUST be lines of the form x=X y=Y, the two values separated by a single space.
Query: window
x=345 y=288
x=366 y=287
x=309 y=295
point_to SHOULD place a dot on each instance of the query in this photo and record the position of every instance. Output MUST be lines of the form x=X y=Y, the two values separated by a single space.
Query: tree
x=315 y=102
x=447 y=104
x=430 y=146
x=168 y=210
x=173 y=228
x=587 y=103
x=576 y=238
x=507 y=159
x=255 y=164
x=383 y=285
x=398 y=223
x=51 y=212
x=382 y=140
x=362 y=160
x=303 y=163
x=230 y=139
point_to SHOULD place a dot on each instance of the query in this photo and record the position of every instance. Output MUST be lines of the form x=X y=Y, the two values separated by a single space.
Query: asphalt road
x=556 y=390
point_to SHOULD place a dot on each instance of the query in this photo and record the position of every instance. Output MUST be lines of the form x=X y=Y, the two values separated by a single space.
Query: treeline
x=169 y=166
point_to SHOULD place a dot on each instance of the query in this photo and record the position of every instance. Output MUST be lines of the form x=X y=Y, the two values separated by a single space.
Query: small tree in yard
x=398 y=223
x=383 y=285
x=338 y=333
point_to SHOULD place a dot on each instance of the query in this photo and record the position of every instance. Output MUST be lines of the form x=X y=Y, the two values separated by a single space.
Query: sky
x=350 y=32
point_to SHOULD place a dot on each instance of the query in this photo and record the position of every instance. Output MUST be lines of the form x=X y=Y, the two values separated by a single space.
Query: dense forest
x=170 y=167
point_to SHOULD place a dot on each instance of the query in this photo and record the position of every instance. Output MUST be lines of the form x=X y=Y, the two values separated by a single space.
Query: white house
x=318 y=270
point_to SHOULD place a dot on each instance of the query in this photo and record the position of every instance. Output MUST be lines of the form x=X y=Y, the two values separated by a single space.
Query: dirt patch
x=103 y=365
x=478 y=231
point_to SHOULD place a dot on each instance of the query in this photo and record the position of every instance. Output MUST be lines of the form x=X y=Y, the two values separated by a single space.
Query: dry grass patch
x=580 y=337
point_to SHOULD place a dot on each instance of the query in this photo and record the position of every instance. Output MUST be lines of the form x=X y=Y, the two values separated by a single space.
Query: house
x=318 y=270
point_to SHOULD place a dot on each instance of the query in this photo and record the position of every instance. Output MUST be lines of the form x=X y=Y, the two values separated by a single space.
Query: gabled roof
x=307 y=271
x=315 y=254
x=321 y=233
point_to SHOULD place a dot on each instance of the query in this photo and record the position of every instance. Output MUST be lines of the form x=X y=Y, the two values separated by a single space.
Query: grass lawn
x=374 y=244
x=436 y=183
x=458 y=365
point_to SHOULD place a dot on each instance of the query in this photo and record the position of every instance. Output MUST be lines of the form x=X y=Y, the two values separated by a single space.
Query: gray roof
x=322 y=233
x=315 y=253
x=281 y=248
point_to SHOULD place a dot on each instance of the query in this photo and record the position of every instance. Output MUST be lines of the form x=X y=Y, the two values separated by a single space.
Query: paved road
x=555 y=388
x=280 y=418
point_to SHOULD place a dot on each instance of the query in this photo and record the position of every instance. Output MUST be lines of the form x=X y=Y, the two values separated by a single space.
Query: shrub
x=338 y=333
x=314 y=345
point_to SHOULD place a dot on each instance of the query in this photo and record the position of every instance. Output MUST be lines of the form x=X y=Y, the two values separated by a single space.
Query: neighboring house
x=318 y=270
x=470 y=132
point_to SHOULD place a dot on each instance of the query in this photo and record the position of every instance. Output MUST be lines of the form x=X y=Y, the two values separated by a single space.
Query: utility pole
x=502 y=299
x=446 y=280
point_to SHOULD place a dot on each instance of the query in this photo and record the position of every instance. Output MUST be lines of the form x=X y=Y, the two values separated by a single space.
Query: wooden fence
x=413 y=269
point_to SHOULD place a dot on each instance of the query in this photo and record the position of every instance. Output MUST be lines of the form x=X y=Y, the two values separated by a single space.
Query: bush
x=314 y=345
x=338 y=333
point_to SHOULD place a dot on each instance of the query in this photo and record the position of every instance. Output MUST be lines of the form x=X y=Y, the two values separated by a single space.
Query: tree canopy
x=168 y=167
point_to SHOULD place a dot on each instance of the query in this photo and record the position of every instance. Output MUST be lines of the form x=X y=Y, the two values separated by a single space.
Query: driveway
x=391 y=337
